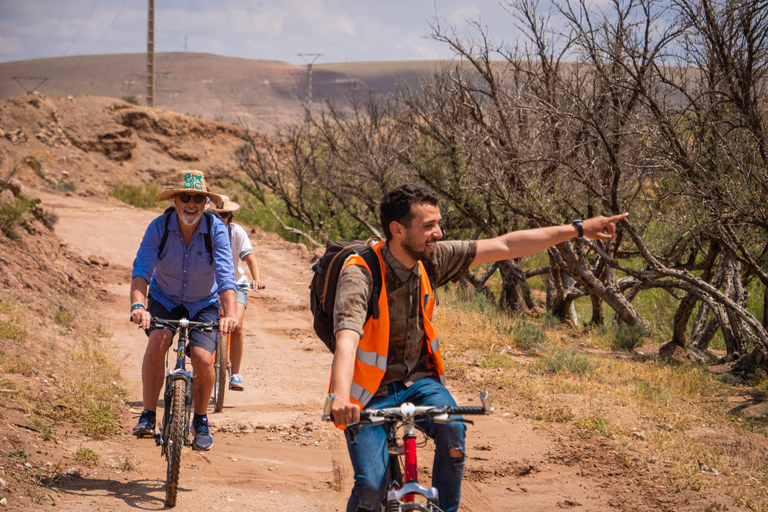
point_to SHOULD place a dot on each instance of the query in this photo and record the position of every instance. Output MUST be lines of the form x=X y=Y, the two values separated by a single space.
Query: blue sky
x=341 y=30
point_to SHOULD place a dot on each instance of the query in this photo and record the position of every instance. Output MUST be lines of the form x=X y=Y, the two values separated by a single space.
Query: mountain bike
x=404 y=489
x=222 y=366
x=174 y=433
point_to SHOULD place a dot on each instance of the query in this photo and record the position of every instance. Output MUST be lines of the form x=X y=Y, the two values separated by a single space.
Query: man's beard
x=188 y=219
x=418 y=253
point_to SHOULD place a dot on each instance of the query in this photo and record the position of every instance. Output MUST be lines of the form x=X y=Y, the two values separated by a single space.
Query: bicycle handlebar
x=407 y=411
x=174 y=325
x=248 y=287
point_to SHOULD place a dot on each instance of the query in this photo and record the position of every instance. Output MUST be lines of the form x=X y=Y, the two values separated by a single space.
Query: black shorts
x=204 y=340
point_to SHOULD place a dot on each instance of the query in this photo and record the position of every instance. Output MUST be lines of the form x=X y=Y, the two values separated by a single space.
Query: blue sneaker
x=203 y=439
x=146 y=424
x=236 y=382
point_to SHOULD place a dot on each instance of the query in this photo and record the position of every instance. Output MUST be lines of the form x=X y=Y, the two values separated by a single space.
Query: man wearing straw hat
x=182 y=270
x=242 y=251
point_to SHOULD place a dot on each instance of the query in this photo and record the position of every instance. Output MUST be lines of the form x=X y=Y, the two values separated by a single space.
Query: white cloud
x=10 y=46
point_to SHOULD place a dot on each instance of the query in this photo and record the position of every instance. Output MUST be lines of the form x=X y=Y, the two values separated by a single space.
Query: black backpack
x=322 y=294
x=206 y=236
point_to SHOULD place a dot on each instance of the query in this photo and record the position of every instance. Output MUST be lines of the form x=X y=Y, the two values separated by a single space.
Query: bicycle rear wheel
x=175 y=441
x=220 y=382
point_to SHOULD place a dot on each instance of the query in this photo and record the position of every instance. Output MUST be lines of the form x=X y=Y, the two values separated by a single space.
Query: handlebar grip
x=467 y=409
x=327 y=416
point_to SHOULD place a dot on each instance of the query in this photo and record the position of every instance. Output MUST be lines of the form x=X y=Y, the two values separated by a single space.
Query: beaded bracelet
x=137 y=305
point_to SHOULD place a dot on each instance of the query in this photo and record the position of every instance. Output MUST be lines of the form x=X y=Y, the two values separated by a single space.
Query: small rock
x=98 y=260
x=715 y=472
x=2 y=483
x=641 y=435
x=3 y=502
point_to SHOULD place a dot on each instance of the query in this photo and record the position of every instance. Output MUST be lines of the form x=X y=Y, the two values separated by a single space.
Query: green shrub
x=100 y=421
x=628 y=337
x=64 y=317
x=14 y=215
x=570 y=361
x=130 y=99
x=86 y=457
x=35 y=102
x=530 y=336
x=49 y=219
x=140 y=196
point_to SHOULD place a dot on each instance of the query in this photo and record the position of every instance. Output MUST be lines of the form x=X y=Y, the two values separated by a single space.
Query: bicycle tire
x=221 y=368
x=175 y=441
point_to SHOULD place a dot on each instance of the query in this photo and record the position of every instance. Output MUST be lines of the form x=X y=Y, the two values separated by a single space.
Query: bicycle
x=404 y=487
x=222 y=365
x=177 y=397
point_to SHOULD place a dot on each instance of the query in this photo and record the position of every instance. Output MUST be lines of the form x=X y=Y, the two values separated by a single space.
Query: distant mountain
x=262 y=94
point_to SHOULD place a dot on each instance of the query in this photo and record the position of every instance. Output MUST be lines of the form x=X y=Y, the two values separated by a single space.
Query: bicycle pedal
x=144 y=436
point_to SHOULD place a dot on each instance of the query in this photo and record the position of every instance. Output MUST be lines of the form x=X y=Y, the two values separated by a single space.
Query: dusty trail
x=271 y=451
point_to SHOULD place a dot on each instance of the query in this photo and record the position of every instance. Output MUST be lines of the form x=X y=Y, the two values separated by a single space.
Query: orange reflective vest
x=372 y=351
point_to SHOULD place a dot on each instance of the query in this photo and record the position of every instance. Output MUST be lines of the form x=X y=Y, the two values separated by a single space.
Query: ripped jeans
x=367 y=446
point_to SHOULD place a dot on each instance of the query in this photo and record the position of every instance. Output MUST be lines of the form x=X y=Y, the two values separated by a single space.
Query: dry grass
x=681 y=418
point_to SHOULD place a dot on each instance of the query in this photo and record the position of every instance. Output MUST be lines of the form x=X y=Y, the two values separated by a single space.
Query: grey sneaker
x=236 y=382
x=203 y=439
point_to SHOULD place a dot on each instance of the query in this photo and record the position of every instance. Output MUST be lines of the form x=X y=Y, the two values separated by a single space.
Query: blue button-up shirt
x=184 y=275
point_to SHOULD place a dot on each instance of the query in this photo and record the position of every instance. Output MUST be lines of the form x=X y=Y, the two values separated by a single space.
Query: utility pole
x=185 y=43
x=310 y=59
x=151 y=55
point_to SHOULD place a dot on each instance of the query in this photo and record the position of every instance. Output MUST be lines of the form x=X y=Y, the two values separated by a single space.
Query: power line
x=109 y=27
x=54 y=29
x=82 y=27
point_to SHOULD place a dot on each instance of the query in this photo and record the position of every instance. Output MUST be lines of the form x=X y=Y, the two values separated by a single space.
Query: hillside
x=262 y=94
x=86 y=144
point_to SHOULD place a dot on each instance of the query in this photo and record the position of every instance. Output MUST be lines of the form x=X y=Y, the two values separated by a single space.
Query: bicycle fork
x=170 y=378
x=407 y=491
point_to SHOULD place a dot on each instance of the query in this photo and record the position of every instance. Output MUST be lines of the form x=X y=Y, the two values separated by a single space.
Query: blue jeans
x=367 y=446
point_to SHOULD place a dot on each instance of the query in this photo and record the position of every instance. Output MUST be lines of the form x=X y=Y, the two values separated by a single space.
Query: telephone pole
x=310 y=59
x=151 y=54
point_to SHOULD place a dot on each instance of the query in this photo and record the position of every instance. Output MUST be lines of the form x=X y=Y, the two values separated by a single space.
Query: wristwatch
x=578 y=225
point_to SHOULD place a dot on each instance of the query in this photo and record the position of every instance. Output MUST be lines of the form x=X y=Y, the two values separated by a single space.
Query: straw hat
x=190 y=182
x=228 y=206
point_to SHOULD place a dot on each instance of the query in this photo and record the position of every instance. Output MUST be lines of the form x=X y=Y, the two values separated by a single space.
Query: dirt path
x=271 y=451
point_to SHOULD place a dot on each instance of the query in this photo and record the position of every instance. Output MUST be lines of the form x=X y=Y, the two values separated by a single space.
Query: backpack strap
x=372 y=260
x=207 y=236
x=168 y=211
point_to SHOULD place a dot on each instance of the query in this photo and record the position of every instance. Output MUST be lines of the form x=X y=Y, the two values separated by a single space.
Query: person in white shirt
x=242 y=252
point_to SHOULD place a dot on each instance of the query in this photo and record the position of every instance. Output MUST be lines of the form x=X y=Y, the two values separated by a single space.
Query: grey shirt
x=408 y=359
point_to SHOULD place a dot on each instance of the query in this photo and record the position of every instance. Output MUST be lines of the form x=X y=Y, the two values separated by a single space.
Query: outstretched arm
x=528 y=241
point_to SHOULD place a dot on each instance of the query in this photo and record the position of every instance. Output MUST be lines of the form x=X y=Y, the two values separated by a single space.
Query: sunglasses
x=186 y=197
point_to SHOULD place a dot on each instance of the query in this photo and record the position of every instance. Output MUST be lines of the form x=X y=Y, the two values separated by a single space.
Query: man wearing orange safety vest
x=395 y=358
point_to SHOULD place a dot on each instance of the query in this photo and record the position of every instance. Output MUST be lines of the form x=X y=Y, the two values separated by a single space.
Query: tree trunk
x=598 y=318
x=765 y=308
x=747 y=365
x=509 y=298
x=682 y=317
x=608 y=292
x=702 y=331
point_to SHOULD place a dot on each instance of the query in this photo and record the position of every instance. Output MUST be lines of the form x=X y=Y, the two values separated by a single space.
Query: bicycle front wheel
x=175 y=440
x=220 y=383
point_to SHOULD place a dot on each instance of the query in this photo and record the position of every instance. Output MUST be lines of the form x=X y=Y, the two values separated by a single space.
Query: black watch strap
x=578 y=225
